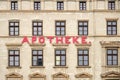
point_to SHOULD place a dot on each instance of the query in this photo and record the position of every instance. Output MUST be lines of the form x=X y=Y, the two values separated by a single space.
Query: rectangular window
x=14 y=58
x=14 y=5
x=60 y=28
x=83 y=57
x=111 y=27
x=37 y=28
x=60 y=5
x=111 y=5
x=112 y=56
x=13 y=28
x=37 y=5
x=37 y=57
x=60 y=57
x=82 y=5
x=83 y=28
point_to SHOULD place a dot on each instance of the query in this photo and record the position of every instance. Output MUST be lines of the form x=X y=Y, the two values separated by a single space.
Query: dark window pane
x=60 y=5
x=37 y=57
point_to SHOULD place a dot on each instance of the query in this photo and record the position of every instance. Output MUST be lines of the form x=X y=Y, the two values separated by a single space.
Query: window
x=82 y=28
x=60 y=57
x=13 y=28
x=82 y=5
x=60 y=5
x=111 y=5
x=112 y=56
x=83 y=57
x=111 y=27
x=37 y=28
x=14 y=58
x=14 y=5
x=37 y=57
x=60 y=28
x=37 y=5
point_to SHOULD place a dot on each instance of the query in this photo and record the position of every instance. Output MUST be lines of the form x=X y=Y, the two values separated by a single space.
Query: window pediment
x=15 y=75
x=83 y=75
x=110 y=44
x=111 y=74
x=37 y=75
x=60 y=75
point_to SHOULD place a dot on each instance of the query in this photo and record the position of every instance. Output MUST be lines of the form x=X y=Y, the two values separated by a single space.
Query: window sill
x=83 y=67
x=37 y=67
x=60 y=67
x=14 y=67
x=111 y=66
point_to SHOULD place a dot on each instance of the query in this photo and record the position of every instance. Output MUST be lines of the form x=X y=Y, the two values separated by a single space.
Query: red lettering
x=33 y=39
x=50 y=38
x=59 y=40
x=41 y=40
x=67 y=38
x=75 y=40
x=25 y=39
x=83 y=40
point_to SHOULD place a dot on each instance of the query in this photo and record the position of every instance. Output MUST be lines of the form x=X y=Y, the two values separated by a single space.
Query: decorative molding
x=60 y=67
x=57 y=11
x=37 y=75
x=37 y=66
x=14 y=67
x=83 y=75
x=83 y=67
x=33 y=45
x=13 y=44
x=112 y=19
x=54 y=44
x=60 y=75
x=110 y=44
x=14 y=75
x=83 y=45
x=111 y=74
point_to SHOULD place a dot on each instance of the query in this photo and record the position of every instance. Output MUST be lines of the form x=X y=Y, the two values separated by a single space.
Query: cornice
x=62 y=11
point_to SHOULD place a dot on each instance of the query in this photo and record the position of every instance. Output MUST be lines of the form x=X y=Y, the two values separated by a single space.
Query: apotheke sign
x=56 y=39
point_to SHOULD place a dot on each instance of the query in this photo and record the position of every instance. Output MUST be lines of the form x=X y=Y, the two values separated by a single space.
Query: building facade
x=60 y=39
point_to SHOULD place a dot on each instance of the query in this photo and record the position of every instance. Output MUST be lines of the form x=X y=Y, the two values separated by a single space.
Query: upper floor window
x=83 y=57
x=37 y=28
x=13 y=28
x=111 y=5
x=37 y=57
x=82 y=5
x=14 y=5
x=14 y=58
x=60 y=28
x=60 y=5
x=111 y=27
x=37 y=5
x=83 y=28
x=112 y=56
x=60 y=57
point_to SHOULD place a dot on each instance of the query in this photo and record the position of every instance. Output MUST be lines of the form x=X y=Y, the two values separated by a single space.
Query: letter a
x=25 y=39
